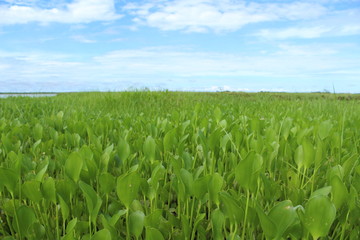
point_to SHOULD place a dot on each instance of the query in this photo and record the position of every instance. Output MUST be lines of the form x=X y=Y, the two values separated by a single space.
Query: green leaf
x=309 y=153
x=299 y=156
x=37 y=132
x=267 y=225
x=339 y=192
x=283 y=215
x=215 y=186
x=324 y=129
x=231 y=208
x=319 y=215
x=153 y=234
x=36 y=231
x=217 y=222
x=65 y=211
x=217 y=114
x=71 y=225
x=188 y=181
x=170 y=140
x=123 y=150
x=136 y=223
x=26 y=217
x=40 y=175
x=93 y=201
x=200 y=186
x=127 y=188
x=115 y=218
x=325 y=191
x=105 y=158
x=8 y=178
x=107 y=183
x=149 y=148
x=157 y=174
x=247 y=171
x=73 y=166
x=32 y=191
x=103 y=234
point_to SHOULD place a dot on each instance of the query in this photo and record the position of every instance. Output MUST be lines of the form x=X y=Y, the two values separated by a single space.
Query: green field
x=175 y=165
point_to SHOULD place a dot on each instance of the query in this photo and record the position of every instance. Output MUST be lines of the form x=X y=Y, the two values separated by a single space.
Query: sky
x=180 y=45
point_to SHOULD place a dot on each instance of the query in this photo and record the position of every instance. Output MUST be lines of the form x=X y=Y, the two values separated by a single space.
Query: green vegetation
x=169 y=165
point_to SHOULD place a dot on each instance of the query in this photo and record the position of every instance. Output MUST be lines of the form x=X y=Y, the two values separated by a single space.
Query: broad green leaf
x=149 y=148
x=309 y=152
x=325 y=191
x=185 y=224
x=188 y=181
x=8 y=178
x=37 y=132
x=223 y=124
x=93 y=201
x=267 y=225
x=65 y=211
x=36 y=231
x=115 y=218
x=231 y=208
x=153 y=234
x=319 y=153
x=224 y=141
x=215 y=185
x=123 y=150
x=217 y=114
x=103 y=234
x=32 y=190
x=107 y=182
x=319 y=215
x=105 y=158
x=136 y=223
x=217 y=222
x=247 y=171
x=26 y=217
x=200 y=186
x=339 y=192
x=73 y=166
x=170 y=140
x=127 y=188
x=336 y=170
x=283 y=215
x=325 y=129
x=198 y=219
x=285 y=127
x=106 y=225
x=157 y=174
x=71 y=225
x=40 y=175
x=299 y=156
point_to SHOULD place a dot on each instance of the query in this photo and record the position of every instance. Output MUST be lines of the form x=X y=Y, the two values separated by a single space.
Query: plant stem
x=127 y=225
x=246 y=213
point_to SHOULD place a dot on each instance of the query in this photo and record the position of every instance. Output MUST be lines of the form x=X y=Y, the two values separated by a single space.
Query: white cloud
x=308 y=50
x=337 y=23
x=78 y=11
x=153 y=67
x=82 y=39
x=217 y=15
x=225 y=88
x=293 y=32
x=309 y=32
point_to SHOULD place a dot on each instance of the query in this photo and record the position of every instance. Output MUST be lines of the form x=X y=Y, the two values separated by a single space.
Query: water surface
x=6 y=95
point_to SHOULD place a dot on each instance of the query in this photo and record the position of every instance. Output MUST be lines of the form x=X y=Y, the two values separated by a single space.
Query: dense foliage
x=169 y=165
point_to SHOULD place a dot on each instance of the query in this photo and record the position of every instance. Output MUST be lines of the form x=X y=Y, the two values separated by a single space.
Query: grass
x=180 y=165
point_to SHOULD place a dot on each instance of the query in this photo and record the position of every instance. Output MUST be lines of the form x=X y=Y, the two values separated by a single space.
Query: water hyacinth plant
x=176 y=165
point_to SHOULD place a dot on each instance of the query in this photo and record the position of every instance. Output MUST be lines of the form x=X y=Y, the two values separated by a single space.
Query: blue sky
x=195 y=45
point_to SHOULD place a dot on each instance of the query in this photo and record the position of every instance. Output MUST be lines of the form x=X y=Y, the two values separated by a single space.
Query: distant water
x=6 y=95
